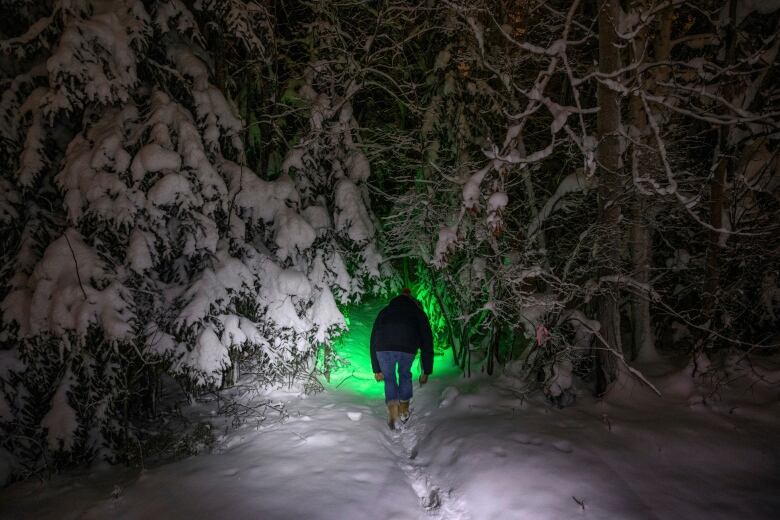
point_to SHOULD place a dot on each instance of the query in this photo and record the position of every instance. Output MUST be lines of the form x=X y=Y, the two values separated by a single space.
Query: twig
x=73 y=253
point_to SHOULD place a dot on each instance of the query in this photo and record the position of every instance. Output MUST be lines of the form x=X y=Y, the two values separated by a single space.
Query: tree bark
x=608 y=305
x=642 y=246
x=717 y=187
x=643 y=211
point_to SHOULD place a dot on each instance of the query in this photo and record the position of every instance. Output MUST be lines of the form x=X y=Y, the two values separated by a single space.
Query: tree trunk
x=608 y=305
x=641 y=235
x=642 y=246
x=717 y=188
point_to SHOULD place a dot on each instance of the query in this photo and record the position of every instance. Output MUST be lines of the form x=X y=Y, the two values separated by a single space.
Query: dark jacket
x=402 y=326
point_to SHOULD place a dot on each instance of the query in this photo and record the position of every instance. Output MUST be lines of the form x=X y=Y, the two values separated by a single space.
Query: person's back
x=399 y=331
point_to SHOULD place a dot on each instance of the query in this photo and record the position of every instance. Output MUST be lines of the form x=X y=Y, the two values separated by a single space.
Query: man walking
x=399 y=331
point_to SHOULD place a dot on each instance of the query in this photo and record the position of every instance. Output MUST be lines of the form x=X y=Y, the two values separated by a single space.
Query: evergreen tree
x=140 y=244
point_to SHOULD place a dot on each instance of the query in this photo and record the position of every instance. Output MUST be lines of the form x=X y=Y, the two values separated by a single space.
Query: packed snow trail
x=438 y=500
x=474 y=449
x=357 y=377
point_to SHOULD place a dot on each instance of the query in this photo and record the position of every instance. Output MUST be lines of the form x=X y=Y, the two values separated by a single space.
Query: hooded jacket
x=402 y=326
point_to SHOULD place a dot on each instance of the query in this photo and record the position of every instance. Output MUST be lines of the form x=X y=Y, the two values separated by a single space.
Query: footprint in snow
x=439 y=503
x=498 y=452
x=363 y=476
x=564 y=446
x=427 y=493
x=448 y=396
x=523 y=438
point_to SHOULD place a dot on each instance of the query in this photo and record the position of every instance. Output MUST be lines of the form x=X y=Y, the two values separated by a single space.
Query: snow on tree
x=531 y=180
x=141 y=243
x=330 y=171
x=516 y=113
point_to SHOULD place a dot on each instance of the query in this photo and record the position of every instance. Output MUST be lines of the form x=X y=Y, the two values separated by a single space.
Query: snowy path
x=483 y=455
x=472 y=450
x=436 y=499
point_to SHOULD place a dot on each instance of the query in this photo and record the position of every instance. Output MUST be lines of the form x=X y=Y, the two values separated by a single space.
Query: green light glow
x=353 y=373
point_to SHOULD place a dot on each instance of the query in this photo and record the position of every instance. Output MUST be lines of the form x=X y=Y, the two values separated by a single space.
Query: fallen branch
x=631 y=369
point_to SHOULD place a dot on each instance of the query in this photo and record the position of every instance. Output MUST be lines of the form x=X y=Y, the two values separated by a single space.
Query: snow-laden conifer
x=140 y=244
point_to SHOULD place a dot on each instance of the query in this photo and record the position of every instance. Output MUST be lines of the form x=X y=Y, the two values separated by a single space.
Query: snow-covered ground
x=473 y=449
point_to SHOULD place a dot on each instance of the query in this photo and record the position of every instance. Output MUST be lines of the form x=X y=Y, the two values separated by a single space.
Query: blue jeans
x=396 y=389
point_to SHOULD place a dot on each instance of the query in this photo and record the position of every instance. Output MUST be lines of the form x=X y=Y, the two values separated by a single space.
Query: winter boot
x=392 y=414
x=403 y=411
